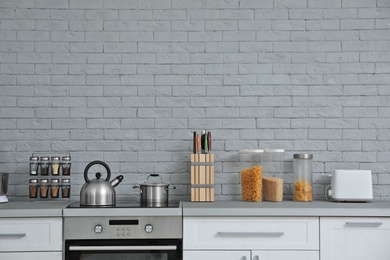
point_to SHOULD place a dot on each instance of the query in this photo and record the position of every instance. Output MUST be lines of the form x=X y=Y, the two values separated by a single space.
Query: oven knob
x=98 y=229
x=148 y=228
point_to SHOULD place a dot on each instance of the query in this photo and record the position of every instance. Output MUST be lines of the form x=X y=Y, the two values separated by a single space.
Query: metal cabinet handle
x=16 y=235
x=250 y=234
x=364 y=223
x=121 y=248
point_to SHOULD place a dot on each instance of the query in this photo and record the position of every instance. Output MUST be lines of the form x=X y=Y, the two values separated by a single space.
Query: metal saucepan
x=154 y=194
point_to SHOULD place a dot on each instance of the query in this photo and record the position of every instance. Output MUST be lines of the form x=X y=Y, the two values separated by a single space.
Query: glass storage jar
x=45 y=165
x=44 y=188
x=273 y=174
x=251 y=174
x=65 y=188
x=34 y=163
x=66 y=163
x=33 y=187
x=55 y=165
x=303 y=177
x=54 y=188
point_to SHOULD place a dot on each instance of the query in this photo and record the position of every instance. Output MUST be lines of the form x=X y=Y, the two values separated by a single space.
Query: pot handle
x=154 y=175
x=93 y=163
x=170 y=187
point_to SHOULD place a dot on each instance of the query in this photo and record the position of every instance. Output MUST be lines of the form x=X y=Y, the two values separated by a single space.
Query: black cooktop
x=125 y=204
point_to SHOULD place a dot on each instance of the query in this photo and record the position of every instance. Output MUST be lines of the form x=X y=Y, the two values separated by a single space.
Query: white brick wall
x=127 y=81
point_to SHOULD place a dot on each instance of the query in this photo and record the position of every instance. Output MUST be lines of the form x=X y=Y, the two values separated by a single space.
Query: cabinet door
x=30 y=234
x=250 y=233
x=355 y=238
x=283 y=255
x=216 y=255
x=31 y=256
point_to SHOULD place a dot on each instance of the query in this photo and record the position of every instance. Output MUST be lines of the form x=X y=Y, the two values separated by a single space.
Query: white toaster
x=351 y=185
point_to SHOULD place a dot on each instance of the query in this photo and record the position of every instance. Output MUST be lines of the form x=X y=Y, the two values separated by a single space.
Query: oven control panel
x=122 y=227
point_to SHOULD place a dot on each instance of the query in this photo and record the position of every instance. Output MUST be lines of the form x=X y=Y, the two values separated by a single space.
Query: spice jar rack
x=50 y=176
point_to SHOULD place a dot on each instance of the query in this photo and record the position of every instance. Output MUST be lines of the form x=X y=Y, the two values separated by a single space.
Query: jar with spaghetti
x=303 y=177
x=251 y=174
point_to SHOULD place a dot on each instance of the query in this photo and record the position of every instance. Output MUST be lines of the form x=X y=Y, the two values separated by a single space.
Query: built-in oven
x=123 y=237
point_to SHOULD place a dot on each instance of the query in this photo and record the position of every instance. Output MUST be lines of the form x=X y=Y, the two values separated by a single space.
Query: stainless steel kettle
x=99 y=192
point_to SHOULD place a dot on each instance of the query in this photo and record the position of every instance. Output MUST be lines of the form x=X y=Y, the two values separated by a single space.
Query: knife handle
x=194 y=143
x=198 y=143
x=209 y=141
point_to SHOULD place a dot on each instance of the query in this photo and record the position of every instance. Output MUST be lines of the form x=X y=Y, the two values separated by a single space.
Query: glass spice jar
x=34 y=163
x=65 y=188
x=55 y=165
x=54 y=188
x=45 y=165
x=33 y=187
x=44 y=188
x=66 y=165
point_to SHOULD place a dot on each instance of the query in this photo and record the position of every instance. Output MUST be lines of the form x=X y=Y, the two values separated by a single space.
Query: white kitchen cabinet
x=31 y=256
x=213 y=255
x=283 y=255
x=31 y=238
x=255 y=238
x=353 y=238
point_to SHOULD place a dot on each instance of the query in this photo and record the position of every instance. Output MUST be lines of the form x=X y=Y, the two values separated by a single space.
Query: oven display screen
x=133 y=222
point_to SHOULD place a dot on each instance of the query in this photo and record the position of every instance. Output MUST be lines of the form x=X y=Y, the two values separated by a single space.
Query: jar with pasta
x=303 y=177
x=251 y=175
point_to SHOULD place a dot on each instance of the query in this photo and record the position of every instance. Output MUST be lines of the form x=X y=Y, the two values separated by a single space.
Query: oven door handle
x=122 y=248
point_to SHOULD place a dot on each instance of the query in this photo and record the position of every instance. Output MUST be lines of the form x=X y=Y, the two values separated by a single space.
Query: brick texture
x=128 y=81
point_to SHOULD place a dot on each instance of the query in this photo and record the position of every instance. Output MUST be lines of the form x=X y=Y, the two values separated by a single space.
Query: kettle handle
x=93 y=163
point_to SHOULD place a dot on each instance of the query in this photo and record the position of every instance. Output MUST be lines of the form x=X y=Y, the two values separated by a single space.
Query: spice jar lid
x=303 y=156
x=55 y=158
x=34 y=158
x=55 y=181
x=44 y=181
x=65 y=181
x=44 y=158
x=33 y=181
x=66 y=158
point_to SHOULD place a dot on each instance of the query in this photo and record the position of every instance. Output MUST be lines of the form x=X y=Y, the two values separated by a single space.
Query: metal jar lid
x=55 y=181
x=65 y=181
x=33 y=181
x=44 y=181
x=55 y=158
x=34 y=158
x=44 y=158
x=303 y=156
x=66 y=158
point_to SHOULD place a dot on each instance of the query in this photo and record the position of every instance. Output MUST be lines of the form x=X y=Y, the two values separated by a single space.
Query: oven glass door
x=123 y=249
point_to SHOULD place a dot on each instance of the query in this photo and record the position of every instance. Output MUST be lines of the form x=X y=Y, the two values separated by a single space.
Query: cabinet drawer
x=251 y=233
x=31 y=256
x=31 y=234
x=213 y=255
x=354 y=238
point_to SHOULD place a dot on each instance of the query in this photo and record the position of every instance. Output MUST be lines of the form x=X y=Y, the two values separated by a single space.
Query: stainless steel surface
x=121 y=248
x=154 y=193
x=99 y=191
x=303 y=156
x=122 y=227
x=3 y=183
x=364 y=223
x=250 y=234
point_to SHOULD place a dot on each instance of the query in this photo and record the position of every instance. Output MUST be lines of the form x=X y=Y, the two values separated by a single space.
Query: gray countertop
x=285 y=208
x=32 y=208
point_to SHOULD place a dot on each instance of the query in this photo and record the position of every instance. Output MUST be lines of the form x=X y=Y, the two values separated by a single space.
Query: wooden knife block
x=202 y=177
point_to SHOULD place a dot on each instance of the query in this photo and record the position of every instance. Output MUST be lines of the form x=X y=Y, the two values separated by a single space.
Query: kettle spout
x=116 y=181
